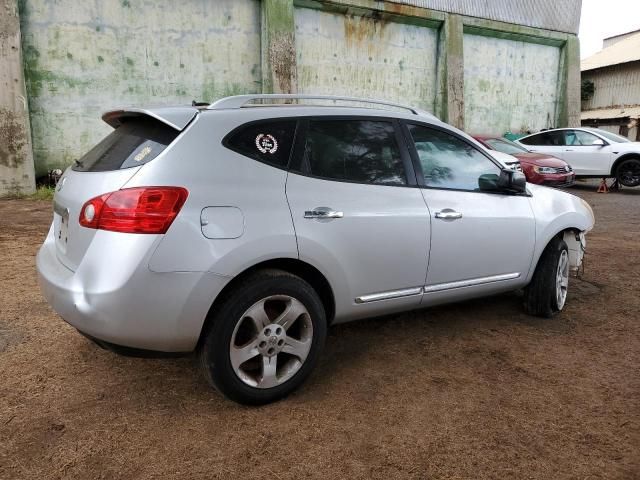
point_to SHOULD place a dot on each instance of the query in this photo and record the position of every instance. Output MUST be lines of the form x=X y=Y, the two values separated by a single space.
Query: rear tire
x=264 y=339
x=546 y=294
x=628 y=172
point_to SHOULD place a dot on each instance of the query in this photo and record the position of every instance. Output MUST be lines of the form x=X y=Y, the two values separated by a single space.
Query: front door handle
x=448 y=214
x=323 y=212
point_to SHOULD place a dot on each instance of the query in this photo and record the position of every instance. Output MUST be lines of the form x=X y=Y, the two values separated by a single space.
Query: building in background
x=611 y=86
x=487 y=67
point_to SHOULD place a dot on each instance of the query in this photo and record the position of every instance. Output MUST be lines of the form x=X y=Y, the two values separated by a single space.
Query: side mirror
x=512 y=181
x=488 y=182
x=598 y=143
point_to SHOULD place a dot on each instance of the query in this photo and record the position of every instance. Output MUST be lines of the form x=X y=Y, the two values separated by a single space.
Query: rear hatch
x=139 y=137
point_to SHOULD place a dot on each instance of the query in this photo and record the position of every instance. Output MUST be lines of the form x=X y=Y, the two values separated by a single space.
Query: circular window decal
x=266 y=143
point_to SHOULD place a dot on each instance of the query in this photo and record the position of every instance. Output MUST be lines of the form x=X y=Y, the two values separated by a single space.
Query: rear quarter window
x=268 y=141
x=136 y=142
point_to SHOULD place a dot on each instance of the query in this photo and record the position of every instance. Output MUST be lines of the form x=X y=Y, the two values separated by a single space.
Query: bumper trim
x=130 y=351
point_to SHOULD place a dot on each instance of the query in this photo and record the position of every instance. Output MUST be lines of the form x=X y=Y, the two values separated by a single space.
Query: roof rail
x=239 y=101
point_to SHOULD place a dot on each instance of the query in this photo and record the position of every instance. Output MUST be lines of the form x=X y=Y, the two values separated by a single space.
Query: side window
x=532 y=140
x=570 y=138
x=553 y=139
x=448 y=162
x=267 y=141
x=580 y=138
x=363 y=151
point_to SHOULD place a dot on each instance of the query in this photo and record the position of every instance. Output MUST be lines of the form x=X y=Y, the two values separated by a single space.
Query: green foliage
x=587 y=89
x=43 y=193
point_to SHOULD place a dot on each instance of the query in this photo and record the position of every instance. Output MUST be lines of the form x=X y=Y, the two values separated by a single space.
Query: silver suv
x=243 y=229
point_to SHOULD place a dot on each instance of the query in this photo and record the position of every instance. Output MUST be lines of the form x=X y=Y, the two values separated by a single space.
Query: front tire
x=547 y=293
x=264 y=339
x=628 y=172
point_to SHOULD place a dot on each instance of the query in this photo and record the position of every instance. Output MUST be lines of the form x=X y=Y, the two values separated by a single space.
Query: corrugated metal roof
x=623 y=51
x=604 y=113
x=561 y=16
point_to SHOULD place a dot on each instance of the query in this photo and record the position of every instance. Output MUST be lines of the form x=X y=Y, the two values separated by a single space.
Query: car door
x=584 y=157
x=358 y=214
x=481 y=242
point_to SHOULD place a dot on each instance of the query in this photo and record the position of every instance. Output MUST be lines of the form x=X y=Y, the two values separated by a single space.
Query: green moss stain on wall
x=81 y=59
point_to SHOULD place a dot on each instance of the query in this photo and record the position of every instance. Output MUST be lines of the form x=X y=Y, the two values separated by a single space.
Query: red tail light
x=134 y=210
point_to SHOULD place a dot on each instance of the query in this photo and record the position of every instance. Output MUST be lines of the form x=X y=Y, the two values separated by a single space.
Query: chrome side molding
x=374 y=297
x=438 y=287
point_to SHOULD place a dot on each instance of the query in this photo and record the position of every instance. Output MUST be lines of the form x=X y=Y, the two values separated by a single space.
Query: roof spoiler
x=175 y=117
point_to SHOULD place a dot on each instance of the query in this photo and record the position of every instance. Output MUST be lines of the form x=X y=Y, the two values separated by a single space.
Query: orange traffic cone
x=603 y=186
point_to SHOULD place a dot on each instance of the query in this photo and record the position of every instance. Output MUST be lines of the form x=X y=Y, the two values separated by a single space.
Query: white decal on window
x=266 y=143
x=143 y=153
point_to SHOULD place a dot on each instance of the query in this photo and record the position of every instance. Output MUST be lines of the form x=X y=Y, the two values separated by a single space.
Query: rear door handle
x=323 y=212
x=448 y=214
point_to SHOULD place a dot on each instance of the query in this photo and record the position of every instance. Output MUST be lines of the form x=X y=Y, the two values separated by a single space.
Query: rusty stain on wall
x=282 y=57
x=13 y=139
x=359 y=30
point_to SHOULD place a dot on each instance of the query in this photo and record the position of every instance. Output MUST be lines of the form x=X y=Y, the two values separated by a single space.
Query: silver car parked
x=243 y=230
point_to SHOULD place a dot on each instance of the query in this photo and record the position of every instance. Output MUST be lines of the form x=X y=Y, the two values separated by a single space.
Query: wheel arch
x=571 y=235
x=294 y=266
x=626 y=156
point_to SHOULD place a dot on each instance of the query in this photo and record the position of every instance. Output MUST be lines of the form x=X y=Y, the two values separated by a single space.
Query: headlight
x=544 y=169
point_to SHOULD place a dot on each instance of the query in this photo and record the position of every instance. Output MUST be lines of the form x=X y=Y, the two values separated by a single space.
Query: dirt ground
x=474 y=390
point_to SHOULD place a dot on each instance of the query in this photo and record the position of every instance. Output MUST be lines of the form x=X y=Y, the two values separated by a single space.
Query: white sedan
x=591 y=152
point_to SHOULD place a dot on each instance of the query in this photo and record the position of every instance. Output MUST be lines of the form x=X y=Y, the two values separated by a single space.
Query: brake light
x=134 y=210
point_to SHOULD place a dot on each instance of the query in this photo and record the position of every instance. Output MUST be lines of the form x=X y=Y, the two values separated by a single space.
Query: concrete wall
x=509 y=85
x=16 y=161
x=82 y=58
x=360 y=56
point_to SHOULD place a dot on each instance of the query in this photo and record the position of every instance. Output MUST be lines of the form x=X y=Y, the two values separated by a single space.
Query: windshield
x=612 y=137
x=505 y=146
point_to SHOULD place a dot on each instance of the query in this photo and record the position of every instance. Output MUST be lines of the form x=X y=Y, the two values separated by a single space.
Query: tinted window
x=136 y=142
x=448 y=162
x=577 y=137
x=505 y=146
x=268 y=141
x=354 y=150
x=547 y=138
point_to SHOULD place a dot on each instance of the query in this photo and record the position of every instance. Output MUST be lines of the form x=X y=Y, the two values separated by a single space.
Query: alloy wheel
x=562 y=279
x=629 y=174
x=271 y=341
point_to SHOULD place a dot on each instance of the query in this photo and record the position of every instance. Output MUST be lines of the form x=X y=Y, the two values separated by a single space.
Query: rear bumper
x=114 y=298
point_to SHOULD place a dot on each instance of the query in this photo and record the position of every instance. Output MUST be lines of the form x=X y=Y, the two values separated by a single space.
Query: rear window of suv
x=136 y=142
